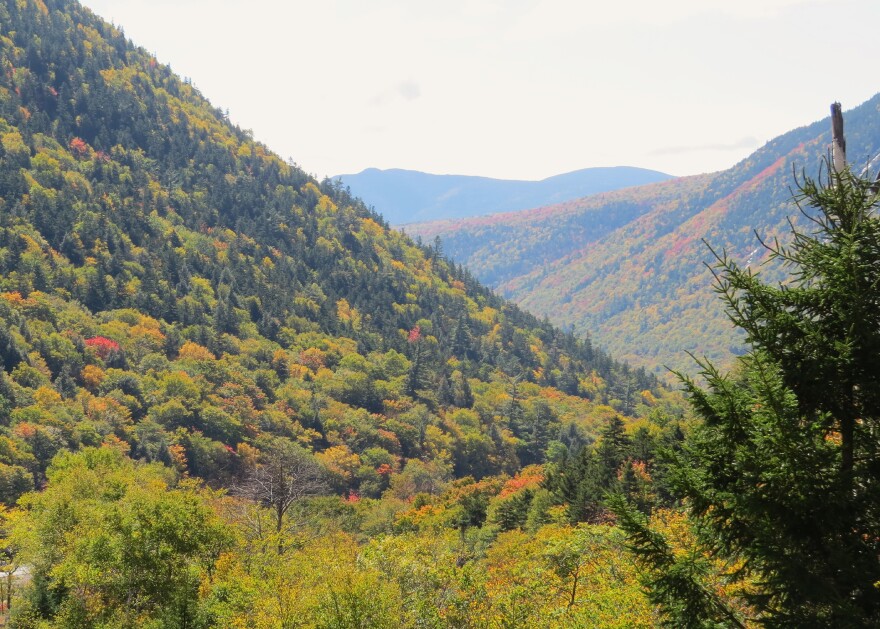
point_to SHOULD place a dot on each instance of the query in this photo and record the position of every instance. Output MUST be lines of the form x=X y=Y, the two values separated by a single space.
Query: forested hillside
x=629 y=266
x=217 y=371
x=138 y=225
x=508 y=246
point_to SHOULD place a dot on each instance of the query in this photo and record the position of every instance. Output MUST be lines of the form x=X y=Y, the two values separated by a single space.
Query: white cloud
x=409 y=89
x=406 y=91
x=749 y=142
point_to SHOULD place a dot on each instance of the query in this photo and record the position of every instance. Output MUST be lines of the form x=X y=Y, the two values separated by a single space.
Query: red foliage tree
x=103 y=346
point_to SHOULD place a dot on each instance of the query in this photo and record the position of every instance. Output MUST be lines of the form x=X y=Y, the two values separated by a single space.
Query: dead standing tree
x=284 y=475
x=838 y=142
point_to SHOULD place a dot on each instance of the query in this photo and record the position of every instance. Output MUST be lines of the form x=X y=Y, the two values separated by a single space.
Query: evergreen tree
x=783 y=475
x=612 y=449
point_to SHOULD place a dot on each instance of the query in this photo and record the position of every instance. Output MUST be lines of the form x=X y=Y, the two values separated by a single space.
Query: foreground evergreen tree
x=782 y=478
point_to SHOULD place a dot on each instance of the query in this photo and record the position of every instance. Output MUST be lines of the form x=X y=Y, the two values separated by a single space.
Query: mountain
x=407 y=196
x=232 y=396
x=168 y=284
x=629 y=266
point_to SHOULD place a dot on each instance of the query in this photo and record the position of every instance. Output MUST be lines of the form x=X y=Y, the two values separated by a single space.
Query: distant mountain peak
x=406 y=196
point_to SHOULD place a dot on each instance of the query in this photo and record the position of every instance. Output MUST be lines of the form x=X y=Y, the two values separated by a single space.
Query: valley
x=233 y=395
x=629 y=267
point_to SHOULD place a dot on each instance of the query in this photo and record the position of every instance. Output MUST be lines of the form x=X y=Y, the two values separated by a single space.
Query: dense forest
x=152 y=251
x=231 y=396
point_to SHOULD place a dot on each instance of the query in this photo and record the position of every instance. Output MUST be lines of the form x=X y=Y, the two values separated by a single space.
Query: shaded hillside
x=172 y=288
x=641 y=287
x=407 y=196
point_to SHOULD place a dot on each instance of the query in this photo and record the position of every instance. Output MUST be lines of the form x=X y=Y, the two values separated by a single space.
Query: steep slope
x=640 y=286
x=407 y=196
x=174 y=289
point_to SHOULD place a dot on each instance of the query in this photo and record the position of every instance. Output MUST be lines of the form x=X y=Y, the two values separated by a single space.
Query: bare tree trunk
x=847 y=422
x=574 y=587
x=838 y=142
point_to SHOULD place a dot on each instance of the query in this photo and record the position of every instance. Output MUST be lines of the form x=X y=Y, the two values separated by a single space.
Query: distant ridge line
x=407 y=196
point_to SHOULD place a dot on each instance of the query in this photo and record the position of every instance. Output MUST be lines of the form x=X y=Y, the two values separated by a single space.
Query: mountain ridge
x=404 y=196
x=641 y=286
x=170 y=286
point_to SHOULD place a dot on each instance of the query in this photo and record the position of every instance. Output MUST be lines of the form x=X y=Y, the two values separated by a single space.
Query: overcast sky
x=514 y=89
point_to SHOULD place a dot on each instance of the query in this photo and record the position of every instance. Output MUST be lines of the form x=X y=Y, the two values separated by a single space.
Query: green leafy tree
x=113 y=543
x=782 y=476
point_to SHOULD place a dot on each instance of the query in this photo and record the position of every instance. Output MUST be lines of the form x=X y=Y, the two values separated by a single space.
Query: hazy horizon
x=515 y=90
